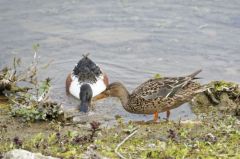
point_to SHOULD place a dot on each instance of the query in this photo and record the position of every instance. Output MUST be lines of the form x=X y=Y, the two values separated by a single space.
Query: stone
x=23 y=154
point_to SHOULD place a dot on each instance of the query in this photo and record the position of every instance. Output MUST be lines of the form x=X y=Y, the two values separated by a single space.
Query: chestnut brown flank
x=68 y=83
x=105 y=79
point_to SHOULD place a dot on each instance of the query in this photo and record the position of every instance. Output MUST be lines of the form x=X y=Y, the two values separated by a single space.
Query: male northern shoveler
x=86 y=82
x=156 y=95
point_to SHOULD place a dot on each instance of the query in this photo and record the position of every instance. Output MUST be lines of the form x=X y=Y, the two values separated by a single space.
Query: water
x=130 y=40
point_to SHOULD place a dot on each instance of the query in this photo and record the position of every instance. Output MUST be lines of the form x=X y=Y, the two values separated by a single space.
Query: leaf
x=156 y=76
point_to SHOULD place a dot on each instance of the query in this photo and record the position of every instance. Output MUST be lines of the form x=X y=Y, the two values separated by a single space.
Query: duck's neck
x=124 y=96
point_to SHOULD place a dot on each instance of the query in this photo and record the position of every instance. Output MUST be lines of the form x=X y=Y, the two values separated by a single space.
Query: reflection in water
x=131 y=40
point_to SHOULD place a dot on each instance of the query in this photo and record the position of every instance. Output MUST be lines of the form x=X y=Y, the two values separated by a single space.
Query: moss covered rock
x=220 y=95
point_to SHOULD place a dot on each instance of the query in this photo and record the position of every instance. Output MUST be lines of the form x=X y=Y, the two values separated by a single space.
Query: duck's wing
x=163 y=87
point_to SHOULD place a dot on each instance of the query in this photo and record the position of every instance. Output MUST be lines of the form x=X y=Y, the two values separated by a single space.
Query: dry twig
x=121 y=143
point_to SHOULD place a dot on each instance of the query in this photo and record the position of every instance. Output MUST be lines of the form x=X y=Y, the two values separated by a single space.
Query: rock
x=221 y=96
x=228 y=105
x=201 y=100
x=200 y=104
x=83 y=118
x=23 y=154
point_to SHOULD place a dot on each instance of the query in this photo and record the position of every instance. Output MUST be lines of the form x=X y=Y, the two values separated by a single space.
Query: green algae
x=224 y=85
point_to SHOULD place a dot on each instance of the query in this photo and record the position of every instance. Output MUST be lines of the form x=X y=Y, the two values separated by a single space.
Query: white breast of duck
x=98 y=86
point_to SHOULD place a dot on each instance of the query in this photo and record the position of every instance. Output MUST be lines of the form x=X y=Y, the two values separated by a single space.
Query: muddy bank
x=212 y=135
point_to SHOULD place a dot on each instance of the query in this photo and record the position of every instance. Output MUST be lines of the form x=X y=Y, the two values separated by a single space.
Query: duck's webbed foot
x=155 y=119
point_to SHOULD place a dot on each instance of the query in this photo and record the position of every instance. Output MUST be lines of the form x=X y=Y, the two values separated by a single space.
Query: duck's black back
x=86 y=70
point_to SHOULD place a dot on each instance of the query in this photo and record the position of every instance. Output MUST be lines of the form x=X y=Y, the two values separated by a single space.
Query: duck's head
x=118 y=90
x=85 y=97
x=115 y=89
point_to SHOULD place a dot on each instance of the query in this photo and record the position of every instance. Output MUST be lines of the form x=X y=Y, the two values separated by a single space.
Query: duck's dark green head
x=85 y=97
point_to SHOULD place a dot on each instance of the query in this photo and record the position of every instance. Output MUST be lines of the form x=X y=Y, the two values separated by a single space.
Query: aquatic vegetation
x=32 y=108
x=37 y=111
x=29 y=100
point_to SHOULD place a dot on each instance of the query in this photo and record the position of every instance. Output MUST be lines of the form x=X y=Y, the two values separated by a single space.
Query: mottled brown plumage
x=156 y=95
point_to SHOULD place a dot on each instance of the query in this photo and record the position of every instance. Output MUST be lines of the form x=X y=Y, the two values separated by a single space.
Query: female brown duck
x=156 y=95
